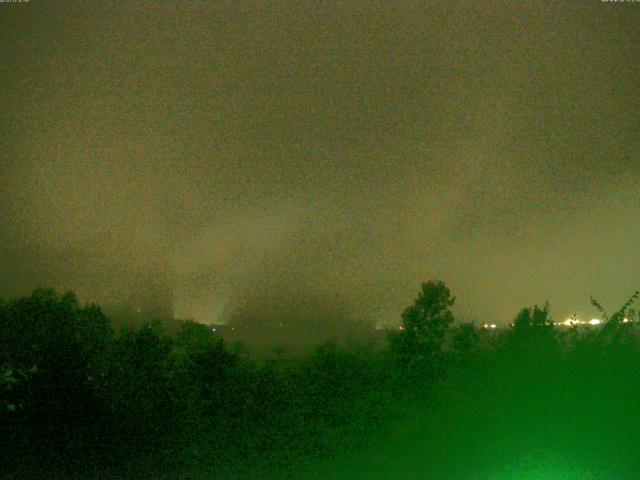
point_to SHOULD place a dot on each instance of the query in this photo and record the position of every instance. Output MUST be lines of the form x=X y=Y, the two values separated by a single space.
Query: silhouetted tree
x=51 y=351
x=530 y=319
x=139 y=401
x=192 y=338
x=615 y=336
x=619 y=314
x=424 y=328
x=465 y=340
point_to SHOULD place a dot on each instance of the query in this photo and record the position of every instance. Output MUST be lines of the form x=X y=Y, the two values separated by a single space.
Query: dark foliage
x=80 y=400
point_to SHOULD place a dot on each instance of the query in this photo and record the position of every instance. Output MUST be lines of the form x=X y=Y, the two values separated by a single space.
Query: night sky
x=296 y=160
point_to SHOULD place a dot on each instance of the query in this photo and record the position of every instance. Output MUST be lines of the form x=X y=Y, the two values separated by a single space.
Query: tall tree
x=424 y=327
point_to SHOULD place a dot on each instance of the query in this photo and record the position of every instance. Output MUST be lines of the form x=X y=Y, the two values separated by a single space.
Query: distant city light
x=487 y=326
x=573 y=321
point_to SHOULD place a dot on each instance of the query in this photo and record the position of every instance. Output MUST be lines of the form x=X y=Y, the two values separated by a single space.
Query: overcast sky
x=306 y=159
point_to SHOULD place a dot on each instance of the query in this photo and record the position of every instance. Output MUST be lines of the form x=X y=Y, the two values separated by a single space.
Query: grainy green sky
x=303 y=159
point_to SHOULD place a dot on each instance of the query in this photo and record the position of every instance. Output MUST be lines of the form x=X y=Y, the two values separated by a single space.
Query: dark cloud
x=305 y=159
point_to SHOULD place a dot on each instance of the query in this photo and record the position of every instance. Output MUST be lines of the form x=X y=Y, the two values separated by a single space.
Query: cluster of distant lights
x=573 y=322
x=569 y=322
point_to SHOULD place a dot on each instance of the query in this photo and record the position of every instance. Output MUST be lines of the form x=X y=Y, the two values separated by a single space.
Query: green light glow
x=548 y=467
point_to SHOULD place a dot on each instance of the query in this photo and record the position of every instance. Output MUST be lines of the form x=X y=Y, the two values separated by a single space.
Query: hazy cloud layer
x=304 y=159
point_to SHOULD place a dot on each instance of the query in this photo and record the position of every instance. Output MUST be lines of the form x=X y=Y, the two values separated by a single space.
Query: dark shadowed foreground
x=438 y=401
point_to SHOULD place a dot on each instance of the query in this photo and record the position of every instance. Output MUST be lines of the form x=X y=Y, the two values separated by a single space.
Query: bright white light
x=493 y=325
x=595 y=321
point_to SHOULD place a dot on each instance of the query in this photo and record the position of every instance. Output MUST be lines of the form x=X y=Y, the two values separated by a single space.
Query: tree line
x=80 y=399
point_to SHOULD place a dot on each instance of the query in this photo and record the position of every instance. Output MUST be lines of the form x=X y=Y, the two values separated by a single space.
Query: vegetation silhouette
x=81 y=400
x=419 y=345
